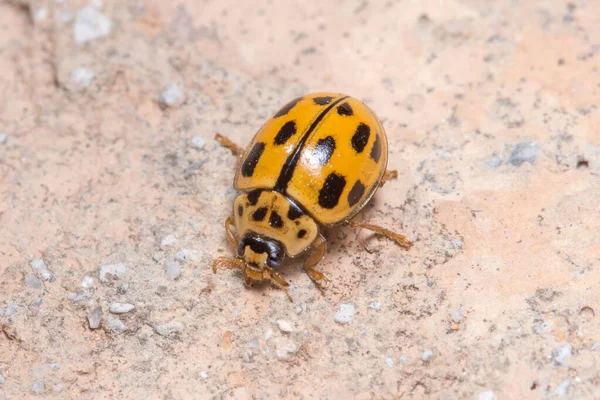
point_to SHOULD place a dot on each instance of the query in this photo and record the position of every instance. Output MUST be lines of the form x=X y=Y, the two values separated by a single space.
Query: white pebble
x=561 y=355
x=345 y=314
x=173 y=269
x=268 y=333
x=427 y=354
x=2 y=380
x=168 y=241
x=40 y=14
x=170 y=96
x=489 y=395
x=596 y=346
x=95 y=318
x=197 y=142
x=457 y=315
x=3 y=137
x=285 y=348
x=284 y=326
x=82 y=76
x=38 y=387
x=40 y=267
x=203 y=374
x=110 y=272
x=376 y=305
x=562 y=390
x=57 y=388
x=389 y=362
x=457 y=243
x=169 y=328
x=116 y=325
x=90 y=24
x=186 y=255
x=120 y=308
x=87 y=282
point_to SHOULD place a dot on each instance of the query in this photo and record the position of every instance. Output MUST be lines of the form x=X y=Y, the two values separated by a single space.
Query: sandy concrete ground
x=114 y=193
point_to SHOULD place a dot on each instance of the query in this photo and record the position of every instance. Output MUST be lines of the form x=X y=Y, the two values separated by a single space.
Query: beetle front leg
x=228 y=143
x=319 y=247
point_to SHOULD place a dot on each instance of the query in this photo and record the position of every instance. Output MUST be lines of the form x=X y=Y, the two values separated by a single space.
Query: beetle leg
x=277 y=280
x=396 y=237
x=231 y=236
x=228 y=143
x=388 y=176
x=319 y=247
x=228 y=262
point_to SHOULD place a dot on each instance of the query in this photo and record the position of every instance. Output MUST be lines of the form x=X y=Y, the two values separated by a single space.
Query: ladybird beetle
x=316 y=162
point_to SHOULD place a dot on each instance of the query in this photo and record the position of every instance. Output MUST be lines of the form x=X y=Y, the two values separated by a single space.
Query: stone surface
x=121 y=308
x=491 y=113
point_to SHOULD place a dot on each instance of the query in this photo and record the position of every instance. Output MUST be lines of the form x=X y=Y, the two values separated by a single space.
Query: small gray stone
x=197 y=142
x=54 y=366
x=3 y=137
x=58 y=388
x=111 y=272
x=562 y=390
x=345 y=314
x=493 y=162
x=2 y=380
x=37 y=387
x=389 y=361
x=524 y=152
x=169 y=329
x=82 y=77
x=12 y=308
x=170 y=96
x=78 y=297
x=90 y=24
x=376 y=305
x=33 y=282
x=595 y=346
x=120 y=308
x=284 y=326
x=427 y=354
x=203 y=374
x=116 y=325
x=173 y=269
x=561 y=354
x=95 y=318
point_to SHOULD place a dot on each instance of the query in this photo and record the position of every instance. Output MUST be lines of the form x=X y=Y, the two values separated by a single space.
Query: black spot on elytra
x=345 y=109
x=275 y=220
x=376 y=150
x=322 y=101
x=324 y=149
x=356 y=193
x=332 y=189
x=286 y=132
x=361 y=137
x=301 y=233
x=253 y=196
x=286 y=109
x=250 y=162
x=259 y=214
x=240 y=210
x=294 y=212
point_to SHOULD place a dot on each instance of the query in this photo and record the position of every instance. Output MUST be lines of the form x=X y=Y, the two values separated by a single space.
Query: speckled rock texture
x=114 y=191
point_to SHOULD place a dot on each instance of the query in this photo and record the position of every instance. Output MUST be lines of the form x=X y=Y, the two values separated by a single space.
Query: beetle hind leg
x=319 y=247
x=388 y=176
x=396 y=237
x=228 y=143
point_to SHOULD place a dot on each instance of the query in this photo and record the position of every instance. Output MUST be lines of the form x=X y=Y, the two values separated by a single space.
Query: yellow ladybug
x=317 y=161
